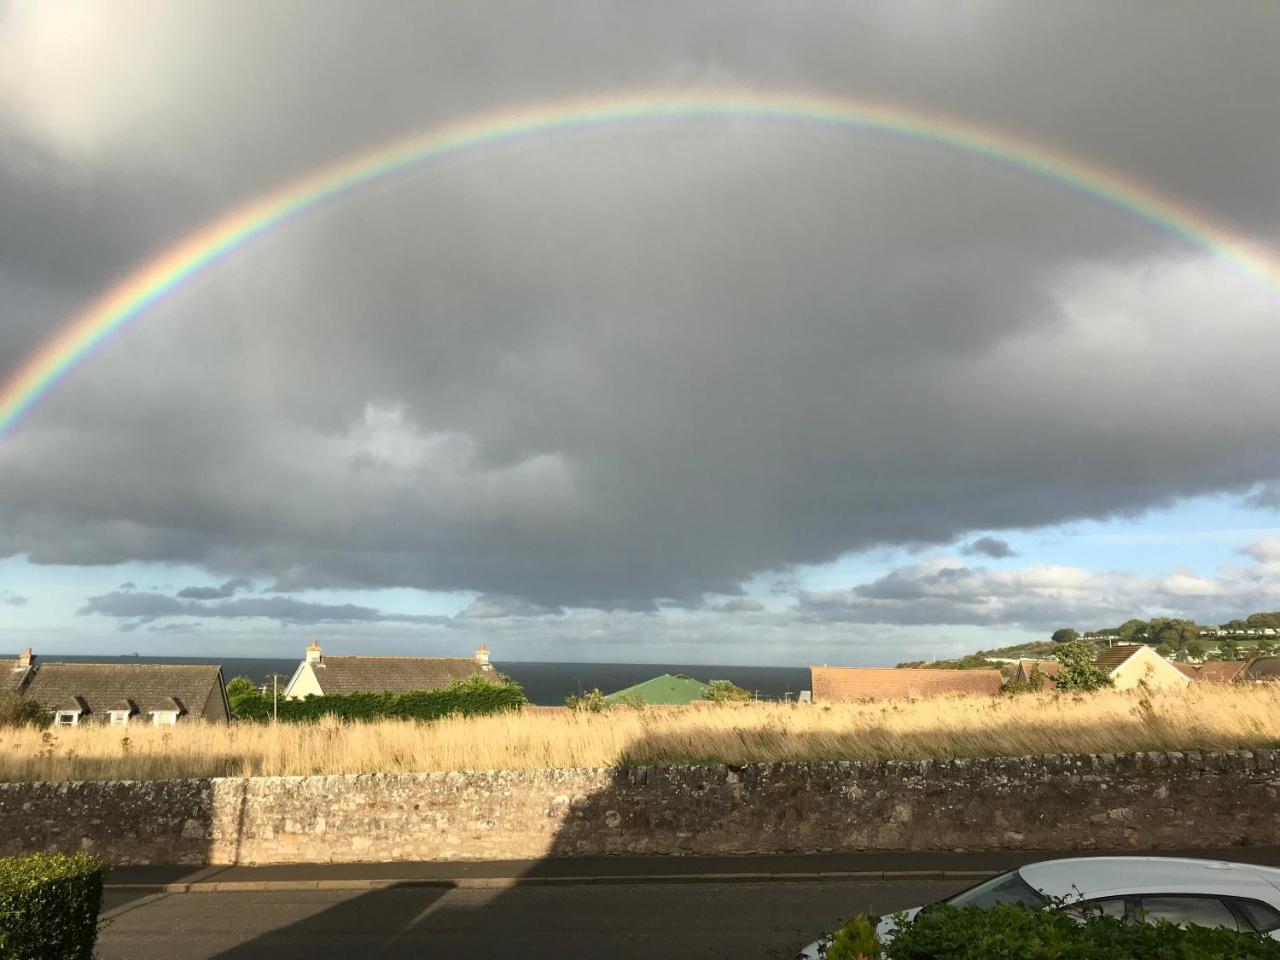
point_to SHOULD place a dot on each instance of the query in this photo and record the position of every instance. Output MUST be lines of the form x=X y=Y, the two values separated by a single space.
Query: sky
x=719 y=390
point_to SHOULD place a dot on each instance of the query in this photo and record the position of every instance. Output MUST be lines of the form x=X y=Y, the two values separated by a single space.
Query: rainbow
x=159 y=277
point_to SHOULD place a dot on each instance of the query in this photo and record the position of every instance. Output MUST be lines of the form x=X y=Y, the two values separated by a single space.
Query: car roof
x=1093 y=877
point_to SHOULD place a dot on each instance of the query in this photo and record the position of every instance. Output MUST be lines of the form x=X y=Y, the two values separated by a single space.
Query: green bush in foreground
x=16 y=711
x=49 y=907
x=1018 y=933
x=468 y=698
x=856 y=940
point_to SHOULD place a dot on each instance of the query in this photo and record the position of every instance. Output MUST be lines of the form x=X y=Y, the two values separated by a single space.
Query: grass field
x=1202 y=717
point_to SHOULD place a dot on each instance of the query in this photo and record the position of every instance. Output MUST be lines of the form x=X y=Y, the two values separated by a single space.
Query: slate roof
x=886 y=683
x=1049 y=668
x=1112 y=657
x=1215 y=671
x=1264 y=668
x=11 y=676
x=338 y=675
x=667 y=689
x=101 y=686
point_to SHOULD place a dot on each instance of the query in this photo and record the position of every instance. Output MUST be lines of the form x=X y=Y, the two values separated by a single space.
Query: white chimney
x=313 y=652
x=482 y=656
x=24 y=659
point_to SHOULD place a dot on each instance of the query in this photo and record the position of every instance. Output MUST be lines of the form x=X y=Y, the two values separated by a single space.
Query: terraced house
x=120 y=694
x=321 y=675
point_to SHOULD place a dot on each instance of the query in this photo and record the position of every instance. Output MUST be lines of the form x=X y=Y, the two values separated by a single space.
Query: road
x=632 y=921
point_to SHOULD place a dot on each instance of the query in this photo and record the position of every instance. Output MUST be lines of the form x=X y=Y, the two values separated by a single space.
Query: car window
x=1264 y=918
x=1111 y=907
x=1006 y=889
x=1202 y=911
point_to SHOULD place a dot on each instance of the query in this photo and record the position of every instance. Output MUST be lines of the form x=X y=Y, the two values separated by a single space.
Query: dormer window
x=121 y=712
x=167 y=713
x=70 y=713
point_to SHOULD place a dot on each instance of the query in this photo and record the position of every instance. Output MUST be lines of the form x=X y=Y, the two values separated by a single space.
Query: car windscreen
x=1007 y=889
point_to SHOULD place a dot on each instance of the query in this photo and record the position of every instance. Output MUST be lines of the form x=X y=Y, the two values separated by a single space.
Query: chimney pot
x=313 y=652
x=482 y=656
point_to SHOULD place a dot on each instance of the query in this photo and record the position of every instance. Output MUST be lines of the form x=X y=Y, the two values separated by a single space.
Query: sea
x=543 y=682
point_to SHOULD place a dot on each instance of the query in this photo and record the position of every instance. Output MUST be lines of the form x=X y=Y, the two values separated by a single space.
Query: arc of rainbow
x=159 y=277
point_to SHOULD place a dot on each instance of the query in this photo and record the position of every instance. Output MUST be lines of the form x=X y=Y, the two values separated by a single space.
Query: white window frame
x=164 y=718
x=119 y=718
x=72 y=718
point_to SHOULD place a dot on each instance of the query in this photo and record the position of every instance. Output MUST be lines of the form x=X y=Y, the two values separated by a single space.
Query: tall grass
x=1202 y=717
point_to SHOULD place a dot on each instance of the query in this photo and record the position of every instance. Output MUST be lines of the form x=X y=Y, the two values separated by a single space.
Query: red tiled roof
x=1215 y=671
x=884 y=683
x=1049 y=669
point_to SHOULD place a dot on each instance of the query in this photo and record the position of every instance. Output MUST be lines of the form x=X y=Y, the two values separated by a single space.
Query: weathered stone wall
x=1140 y=801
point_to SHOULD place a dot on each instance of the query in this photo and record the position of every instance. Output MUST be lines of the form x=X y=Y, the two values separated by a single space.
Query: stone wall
x=1140 y=801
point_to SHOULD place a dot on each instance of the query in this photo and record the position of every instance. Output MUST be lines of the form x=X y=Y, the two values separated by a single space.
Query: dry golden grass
x=1202 y=717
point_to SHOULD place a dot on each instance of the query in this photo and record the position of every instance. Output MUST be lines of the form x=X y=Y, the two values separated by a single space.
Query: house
x=677 y=690
x=1263 y=670
x=119 y=694
x=1048 y=669
x=1131 y=664
x=14 y=674
x=1215 y=671
x=891 y=683
x=322 y=675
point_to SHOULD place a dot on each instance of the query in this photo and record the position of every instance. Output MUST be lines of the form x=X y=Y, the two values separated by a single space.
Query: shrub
x=1018 y=933
x=726 y=691
x=16 y=711
x=49 y=907
x=1079 y=669
x=592 y=701
x=472 y=697
x=855 y=940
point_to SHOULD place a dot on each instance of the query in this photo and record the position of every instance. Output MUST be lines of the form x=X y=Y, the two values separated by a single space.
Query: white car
x=1209 y=893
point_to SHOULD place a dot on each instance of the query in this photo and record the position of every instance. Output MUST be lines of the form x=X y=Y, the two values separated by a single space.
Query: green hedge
x=1018 y=933
x=49 y=907
x=468 y=698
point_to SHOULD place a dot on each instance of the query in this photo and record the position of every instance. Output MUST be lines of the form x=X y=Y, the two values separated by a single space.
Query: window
x=119 y=718
x=66 y=718
x=1005 y=890
x=1264 y=918
x=164 y=718
x=1202 y=911
x=1087 y=909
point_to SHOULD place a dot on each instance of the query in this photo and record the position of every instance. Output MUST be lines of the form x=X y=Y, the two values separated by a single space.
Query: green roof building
x=666 y=689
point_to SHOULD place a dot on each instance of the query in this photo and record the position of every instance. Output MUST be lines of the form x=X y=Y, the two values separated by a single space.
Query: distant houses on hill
x=321 y=675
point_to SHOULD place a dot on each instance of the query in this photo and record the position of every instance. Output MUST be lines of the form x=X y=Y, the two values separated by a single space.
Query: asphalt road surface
x=666 y=921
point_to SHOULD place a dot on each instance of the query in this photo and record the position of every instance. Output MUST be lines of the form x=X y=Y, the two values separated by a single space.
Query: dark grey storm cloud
x=11 y=599
x=625 y=367
x=489 y=607
x=146 y=607
x=992 y=547
x=222 y=592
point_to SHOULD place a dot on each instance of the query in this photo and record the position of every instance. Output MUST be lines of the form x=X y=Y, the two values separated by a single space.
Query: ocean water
x=543 y=683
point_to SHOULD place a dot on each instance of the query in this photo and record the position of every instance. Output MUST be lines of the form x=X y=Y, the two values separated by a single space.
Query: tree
x=726 y=691
x=241 y=687
x=1228 y=650
x=1164 y=650
x=1079 y=670
x=1264 y=647
x=1064 y=635
x=1195 y=650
